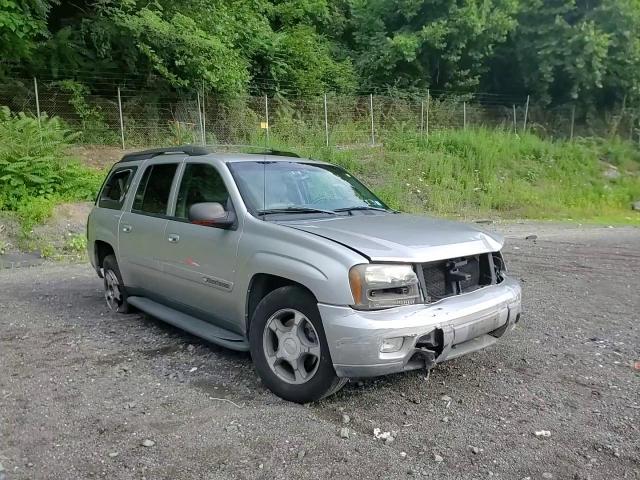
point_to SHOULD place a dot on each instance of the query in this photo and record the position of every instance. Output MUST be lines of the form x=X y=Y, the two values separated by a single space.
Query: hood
x=403 y=238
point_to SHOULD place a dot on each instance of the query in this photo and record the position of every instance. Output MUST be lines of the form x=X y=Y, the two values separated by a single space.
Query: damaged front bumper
x=429 y=334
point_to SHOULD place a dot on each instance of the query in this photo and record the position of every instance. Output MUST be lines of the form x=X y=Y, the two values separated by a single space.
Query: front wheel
x=289 y=348
x=114 y=292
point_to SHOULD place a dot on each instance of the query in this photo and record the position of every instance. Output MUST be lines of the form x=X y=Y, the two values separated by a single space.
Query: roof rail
x=191 y=150
x=261 y=150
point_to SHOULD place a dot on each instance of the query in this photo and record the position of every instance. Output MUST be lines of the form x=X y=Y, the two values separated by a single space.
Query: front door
x=199 y=262
x=142 y=229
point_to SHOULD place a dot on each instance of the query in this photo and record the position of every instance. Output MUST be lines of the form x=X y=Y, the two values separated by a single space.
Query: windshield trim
x=255 y=212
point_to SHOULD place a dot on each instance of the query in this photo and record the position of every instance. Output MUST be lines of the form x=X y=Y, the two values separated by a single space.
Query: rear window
x=115 y=188
x=152 y=196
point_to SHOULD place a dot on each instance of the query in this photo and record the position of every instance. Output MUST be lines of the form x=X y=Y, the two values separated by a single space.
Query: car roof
x=202 y=152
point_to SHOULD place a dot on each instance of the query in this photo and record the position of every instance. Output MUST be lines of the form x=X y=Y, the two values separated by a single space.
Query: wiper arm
x=361 y=207
x=295 y=210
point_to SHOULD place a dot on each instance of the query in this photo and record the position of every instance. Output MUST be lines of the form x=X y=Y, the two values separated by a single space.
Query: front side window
x=200 y=183
x=270 y=186
x=115 y=188
x=152 y=196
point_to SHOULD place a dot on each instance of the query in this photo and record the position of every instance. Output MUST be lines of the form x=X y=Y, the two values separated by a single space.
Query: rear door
x=141 y=230
x=199 y=261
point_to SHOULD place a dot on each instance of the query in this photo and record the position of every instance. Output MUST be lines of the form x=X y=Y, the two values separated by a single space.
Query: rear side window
x=115 y=188
x=152 y=196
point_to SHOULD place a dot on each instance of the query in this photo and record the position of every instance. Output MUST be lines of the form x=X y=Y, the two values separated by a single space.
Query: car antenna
x=264 y=186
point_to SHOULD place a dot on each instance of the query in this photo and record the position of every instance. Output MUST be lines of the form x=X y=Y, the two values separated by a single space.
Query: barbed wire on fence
x=135 y=117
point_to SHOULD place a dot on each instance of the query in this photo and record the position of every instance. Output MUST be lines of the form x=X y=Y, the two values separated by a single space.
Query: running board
x=193 y=325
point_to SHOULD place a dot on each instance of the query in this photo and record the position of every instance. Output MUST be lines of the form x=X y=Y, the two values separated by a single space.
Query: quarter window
x=153 y=192
x=200 y=183
x=115 y=188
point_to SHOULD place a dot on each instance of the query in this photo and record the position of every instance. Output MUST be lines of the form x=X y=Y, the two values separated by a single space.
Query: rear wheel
x=289 y=348
x=114 y=291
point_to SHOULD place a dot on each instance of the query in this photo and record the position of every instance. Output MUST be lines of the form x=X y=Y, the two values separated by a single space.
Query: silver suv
x=298 y=262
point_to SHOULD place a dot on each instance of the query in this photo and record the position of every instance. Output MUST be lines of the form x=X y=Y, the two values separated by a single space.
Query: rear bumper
x=431 y=333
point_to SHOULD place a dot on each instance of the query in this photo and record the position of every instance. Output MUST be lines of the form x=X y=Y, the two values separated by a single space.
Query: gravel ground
x=81 y=390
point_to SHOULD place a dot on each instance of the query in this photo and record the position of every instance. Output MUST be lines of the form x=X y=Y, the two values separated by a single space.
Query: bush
x=35 y=171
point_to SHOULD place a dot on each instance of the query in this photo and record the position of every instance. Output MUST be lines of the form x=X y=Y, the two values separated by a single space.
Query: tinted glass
x=153 y=192
x=115 y=188
x=200 y=183
x=273 y=185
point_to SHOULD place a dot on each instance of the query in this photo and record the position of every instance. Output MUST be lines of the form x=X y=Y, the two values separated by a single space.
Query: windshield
x=300 y=188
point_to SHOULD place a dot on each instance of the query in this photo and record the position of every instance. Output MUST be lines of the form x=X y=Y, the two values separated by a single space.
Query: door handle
x=173 y=238
x=127 y=228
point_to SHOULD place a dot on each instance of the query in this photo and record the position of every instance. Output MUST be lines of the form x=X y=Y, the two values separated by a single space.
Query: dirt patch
x=98 y=156
x=81 y=388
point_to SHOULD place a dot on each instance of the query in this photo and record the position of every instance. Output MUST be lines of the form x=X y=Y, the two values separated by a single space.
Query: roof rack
x=261 y=150
x=190 y=150
x=194 y=150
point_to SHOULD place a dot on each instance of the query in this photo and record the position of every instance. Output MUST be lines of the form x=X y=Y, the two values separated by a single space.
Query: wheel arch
x=101 y=250
x=261 y=285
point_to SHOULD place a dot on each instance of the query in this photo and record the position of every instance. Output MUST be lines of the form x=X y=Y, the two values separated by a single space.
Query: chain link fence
x=131 y=117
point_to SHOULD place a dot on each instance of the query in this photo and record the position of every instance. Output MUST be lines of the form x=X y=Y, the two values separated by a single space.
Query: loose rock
x=474 y=450
x=301 y=454
x=403 y=454
x=636 y=206
x=547 y=475
x=346 y=419
x=344 y=432
x=113 y=454
x=438 y=458
x=148 y=443
x=531 y=237
x=542 y=433
x=445 y=398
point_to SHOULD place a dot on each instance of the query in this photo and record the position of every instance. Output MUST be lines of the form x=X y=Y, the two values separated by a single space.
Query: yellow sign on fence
x=264 y=125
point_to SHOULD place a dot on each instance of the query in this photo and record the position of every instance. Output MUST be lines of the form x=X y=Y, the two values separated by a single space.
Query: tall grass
x=480 y=172
x=35 y=171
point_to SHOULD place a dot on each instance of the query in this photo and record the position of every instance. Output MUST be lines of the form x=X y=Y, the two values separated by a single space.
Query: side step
x=193 y=325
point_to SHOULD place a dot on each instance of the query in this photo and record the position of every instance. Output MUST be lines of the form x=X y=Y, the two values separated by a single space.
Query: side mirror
x=211 y=214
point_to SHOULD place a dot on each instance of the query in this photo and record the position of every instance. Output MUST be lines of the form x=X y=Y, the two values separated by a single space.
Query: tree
x=420 y=43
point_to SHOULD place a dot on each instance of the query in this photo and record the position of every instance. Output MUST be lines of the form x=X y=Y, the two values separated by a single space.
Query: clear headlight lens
x=383 y=285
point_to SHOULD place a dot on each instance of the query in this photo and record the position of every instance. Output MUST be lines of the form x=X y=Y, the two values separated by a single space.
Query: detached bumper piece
x=424 y=334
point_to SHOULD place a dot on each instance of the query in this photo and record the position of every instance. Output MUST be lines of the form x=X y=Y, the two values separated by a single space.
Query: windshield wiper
x=361 y=207
x=294 y=210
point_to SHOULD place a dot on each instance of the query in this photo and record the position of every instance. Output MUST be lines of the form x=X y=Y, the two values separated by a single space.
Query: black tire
x=110 y=266
x=324 y=381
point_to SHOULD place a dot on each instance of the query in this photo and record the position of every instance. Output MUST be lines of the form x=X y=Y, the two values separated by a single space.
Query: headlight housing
x=381 y=285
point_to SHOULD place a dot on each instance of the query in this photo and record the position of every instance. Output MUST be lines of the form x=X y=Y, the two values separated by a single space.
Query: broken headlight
x=383 y=285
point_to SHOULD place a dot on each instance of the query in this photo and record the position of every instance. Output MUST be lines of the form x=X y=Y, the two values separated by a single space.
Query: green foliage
x=35 y=171
x=76 y=244
x=22 y=24
x=430 y=42
x=93 y=126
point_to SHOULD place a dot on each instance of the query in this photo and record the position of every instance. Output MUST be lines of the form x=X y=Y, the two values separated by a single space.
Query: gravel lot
x=82 y=389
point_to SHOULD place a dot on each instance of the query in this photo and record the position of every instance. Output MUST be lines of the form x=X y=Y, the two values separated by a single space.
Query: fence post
x=427 y=118
x=35 y=88
x=526 y=116
x=204 y=118
x=515 y=122
x=421 y=117
x=200 y=118
x=121 y=118
x=373 y=136
x=464 y=115
x=326 y=120
x=573 y=119
x=266 y=116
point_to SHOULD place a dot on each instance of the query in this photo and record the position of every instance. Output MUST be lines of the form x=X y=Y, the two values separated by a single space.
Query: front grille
x=454 y=276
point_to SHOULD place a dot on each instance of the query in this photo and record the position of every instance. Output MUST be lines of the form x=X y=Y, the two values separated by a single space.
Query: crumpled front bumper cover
x=461 y=324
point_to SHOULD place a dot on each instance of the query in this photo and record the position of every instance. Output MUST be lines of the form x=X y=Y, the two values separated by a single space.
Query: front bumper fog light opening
x=391 y=345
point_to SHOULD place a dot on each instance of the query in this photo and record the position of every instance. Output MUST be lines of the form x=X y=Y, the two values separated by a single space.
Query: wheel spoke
x=299 y=371
x=276 y=326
